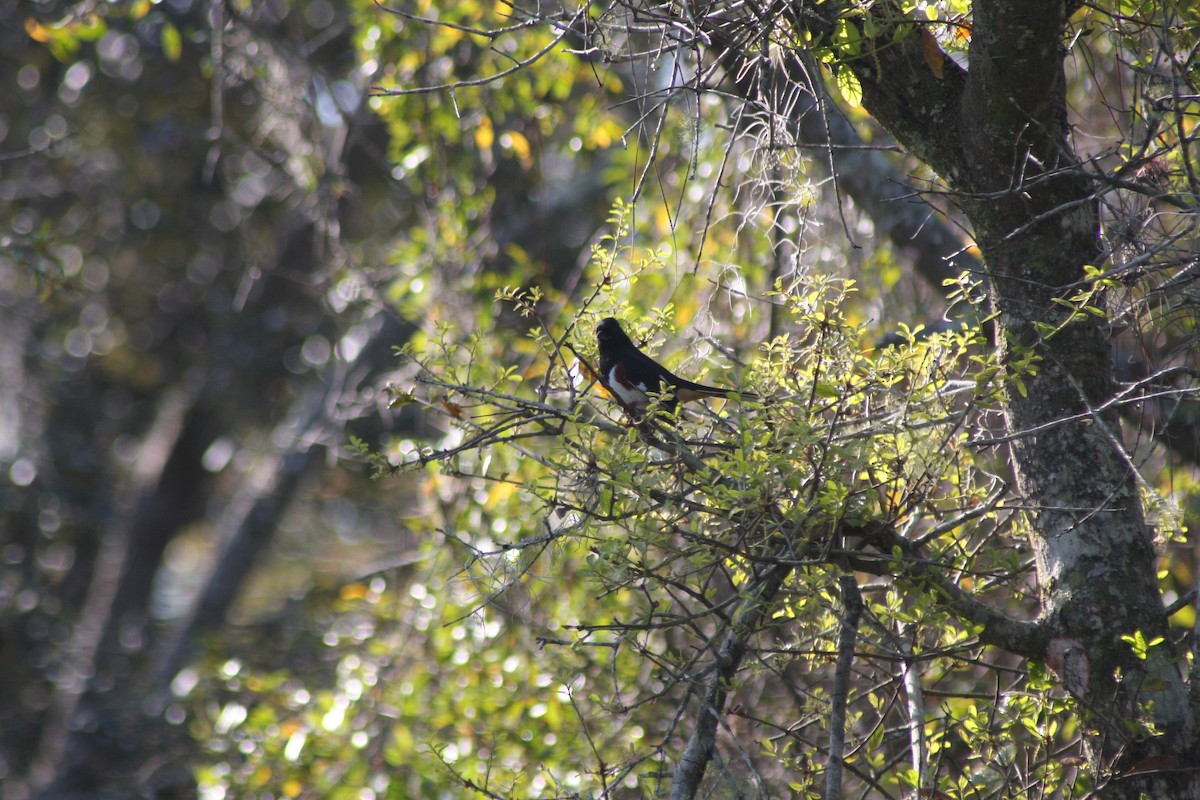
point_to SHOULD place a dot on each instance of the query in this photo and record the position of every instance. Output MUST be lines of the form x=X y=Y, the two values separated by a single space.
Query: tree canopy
x=314 y=490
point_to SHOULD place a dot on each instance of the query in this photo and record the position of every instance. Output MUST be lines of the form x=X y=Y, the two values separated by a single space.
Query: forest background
x=309 y=489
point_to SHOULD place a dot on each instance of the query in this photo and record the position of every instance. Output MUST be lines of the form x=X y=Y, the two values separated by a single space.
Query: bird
x=636 y=379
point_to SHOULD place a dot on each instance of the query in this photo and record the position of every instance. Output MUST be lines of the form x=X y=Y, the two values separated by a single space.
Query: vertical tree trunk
x=998 y=133
x=1036 y=222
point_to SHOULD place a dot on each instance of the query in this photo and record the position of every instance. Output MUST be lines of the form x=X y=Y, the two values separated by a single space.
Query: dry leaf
x=934 y=56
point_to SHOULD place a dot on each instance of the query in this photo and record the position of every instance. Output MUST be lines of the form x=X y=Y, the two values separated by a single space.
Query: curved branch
x=1022 y=637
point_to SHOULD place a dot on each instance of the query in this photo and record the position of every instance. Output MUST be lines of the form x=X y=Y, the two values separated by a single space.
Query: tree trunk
x=998 y=132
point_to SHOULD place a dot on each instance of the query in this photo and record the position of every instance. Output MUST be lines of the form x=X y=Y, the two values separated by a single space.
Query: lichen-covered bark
x=997 y=132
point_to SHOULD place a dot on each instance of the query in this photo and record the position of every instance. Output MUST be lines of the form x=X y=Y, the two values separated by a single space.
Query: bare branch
x=852 y=609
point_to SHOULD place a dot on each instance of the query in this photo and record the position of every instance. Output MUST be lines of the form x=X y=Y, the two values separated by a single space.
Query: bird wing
x=633 y=376
x=629 y=391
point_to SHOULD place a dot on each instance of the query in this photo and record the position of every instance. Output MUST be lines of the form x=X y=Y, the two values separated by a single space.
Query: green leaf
x=850 y=88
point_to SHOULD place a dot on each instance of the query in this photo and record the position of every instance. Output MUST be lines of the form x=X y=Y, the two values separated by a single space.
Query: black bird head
x=609 y=334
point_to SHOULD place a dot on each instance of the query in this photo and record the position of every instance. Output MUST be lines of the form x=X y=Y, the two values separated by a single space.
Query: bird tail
x=686 y=391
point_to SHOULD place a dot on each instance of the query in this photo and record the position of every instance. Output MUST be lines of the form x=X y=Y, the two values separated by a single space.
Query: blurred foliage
x=515 y=608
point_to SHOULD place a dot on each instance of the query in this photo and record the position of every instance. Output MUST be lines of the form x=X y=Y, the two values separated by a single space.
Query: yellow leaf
x=1185 y=617
x=260 y=776
x=662 y=219
x=37 y=31
x=485 y=134
x=848 y=85
x=500 y=492
x=172 y=43
x=603 y=135
x=517 y=144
